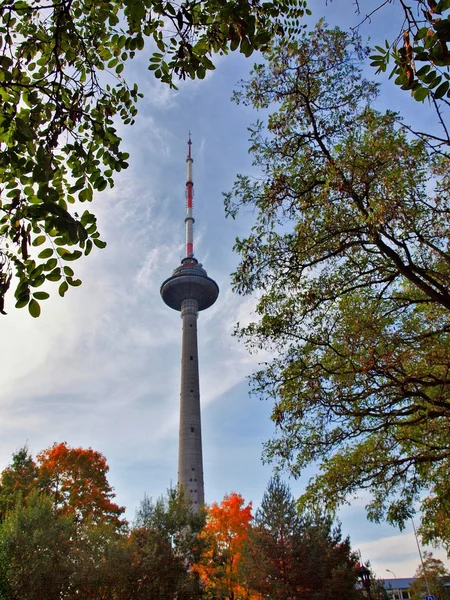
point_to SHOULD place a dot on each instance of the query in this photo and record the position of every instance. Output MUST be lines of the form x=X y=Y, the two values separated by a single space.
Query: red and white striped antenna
x=189 y=220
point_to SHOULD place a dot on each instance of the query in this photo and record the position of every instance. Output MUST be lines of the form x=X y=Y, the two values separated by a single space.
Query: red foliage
x=76 y=480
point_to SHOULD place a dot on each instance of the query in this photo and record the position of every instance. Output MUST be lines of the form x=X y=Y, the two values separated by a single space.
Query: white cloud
x=398 y=553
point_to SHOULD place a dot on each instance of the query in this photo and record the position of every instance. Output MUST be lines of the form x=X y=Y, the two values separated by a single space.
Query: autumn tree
x=431 y=578
x=349 y=260
x=76 y=480
x=224 y=535
x=63 y=91
x=297 y=557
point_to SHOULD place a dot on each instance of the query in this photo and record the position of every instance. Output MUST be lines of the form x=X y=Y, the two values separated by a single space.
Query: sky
x=101 y=367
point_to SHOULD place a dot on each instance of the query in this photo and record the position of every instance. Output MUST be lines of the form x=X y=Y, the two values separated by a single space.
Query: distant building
x=398 y=589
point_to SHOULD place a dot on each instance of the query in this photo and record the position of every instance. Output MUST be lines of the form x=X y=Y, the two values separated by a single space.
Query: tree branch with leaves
x=349 y=260
x=62 y=92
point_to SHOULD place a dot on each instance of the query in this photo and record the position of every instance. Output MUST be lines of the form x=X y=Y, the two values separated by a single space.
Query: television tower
x=190 y=290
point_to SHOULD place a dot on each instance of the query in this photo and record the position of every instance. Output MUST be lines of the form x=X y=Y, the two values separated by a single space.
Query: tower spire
x=190 y=290
x=189 y=220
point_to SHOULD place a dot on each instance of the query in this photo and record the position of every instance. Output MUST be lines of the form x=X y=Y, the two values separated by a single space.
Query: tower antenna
x=189 y=220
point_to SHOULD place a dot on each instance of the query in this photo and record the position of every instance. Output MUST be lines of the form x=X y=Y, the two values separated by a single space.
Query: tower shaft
x=190 y=457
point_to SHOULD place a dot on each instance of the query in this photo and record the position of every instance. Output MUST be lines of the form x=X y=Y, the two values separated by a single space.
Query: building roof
x=401 y=583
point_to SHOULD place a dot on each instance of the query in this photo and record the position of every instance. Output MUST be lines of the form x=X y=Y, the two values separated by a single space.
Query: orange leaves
x=225 y=533
x=75 y=478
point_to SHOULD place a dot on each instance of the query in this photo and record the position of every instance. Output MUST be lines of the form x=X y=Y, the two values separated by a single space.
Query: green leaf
x=71 y=255
x=442 y=90
x=63 y=288
x=74 y=282
x=442 y=6
x=55 y=275
x=50 y=264
x=22 y=301
x=45 y=253
x=68 y=271
x=423 y=71
x=41 y=295
x=420 y=94
x=39 y=240
x=34 y=309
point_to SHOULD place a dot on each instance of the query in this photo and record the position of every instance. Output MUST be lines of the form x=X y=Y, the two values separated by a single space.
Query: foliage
x=349 y=259
x=35 y=551
x=164 y=544
x=419 y=54
x=431 y=580
x=64 y=537
x=172 y=515
x=46 y=555
x=224 y=536
x=435 y=526
x=295 y=557
x=100 y=562
x=17 y=480
x=62 y=92
x=74 y=478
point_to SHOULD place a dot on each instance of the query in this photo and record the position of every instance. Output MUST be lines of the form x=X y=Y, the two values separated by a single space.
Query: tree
x=100 y=562
x=349 y=259
x=46 y=555
x=76 y=481
x=163 y=545
x=224 y=535
x=74 y=478
x=17 y=480
x=419 y=55
x=435 y=526
x=61 y=75
x=35 y=551
x=172 y=515
x=432 y=579
x=295 y=557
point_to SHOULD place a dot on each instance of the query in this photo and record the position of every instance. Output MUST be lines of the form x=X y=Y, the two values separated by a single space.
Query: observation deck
x=189 y=281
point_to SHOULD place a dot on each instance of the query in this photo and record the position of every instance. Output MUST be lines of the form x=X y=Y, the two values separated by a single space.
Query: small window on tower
x=192 y=358
x=192 y=430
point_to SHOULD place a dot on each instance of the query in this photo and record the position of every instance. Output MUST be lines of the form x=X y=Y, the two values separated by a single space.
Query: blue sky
x=101 y=367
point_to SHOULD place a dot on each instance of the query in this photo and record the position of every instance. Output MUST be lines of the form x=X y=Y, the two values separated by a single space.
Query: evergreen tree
x=17 y=480
x=297 y=557
x=163 y=545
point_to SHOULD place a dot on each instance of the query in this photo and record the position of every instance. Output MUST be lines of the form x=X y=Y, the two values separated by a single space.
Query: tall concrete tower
x=190 y=290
